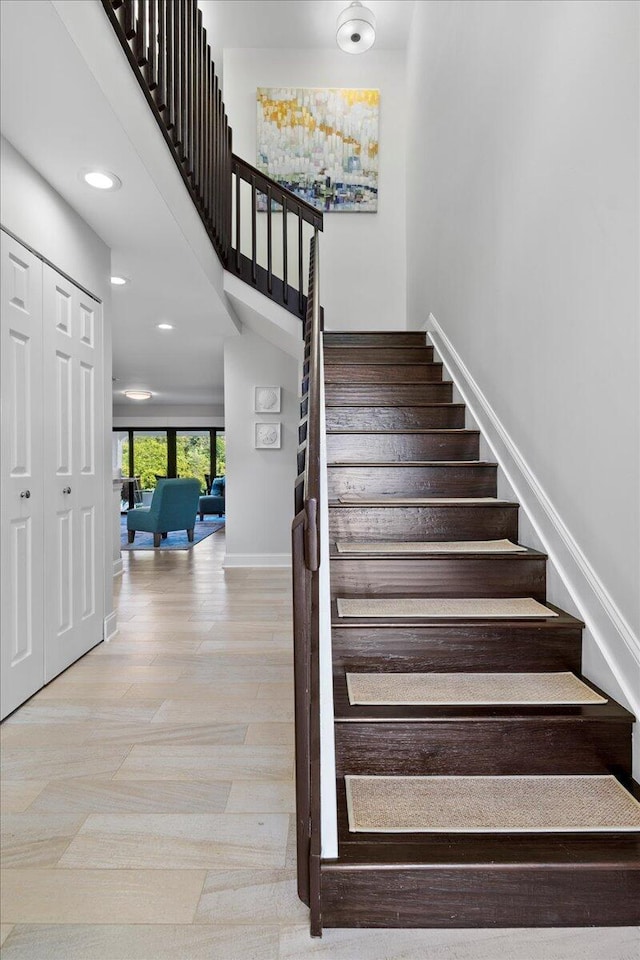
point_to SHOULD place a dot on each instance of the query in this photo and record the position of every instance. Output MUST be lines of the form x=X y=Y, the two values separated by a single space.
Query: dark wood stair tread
x=464 y=504
x=393 y=431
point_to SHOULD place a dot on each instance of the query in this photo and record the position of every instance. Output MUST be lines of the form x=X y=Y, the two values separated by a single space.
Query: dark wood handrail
x=306 y=558
x=166 y=45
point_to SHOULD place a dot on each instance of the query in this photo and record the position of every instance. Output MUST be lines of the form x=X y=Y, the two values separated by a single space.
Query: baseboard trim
x=117 y=568
x=256 y=560
x=598 y=609
x=110 y=627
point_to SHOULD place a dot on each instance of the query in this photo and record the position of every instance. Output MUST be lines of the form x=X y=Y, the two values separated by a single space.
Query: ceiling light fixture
x=356 y=29
x=101 y=179
x=165 y=326
x=138 y=394
x=119 y=281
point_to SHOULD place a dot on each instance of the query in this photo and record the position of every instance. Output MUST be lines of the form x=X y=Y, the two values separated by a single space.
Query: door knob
x=25 y=494
x=66 y=489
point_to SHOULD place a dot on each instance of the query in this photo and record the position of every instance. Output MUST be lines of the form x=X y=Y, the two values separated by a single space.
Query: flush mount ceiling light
x=165 y=326
x=119 y=281
x=101 y=179
x=356 y=29
x=138 y=394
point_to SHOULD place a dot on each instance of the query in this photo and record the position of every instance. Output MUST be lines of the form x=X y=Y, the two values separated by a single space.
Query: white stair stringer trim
x=597 y=608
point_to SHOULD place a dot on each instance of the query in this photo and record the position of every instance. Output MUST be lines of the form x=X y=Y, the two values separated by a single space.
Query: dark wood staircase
x=393 y=431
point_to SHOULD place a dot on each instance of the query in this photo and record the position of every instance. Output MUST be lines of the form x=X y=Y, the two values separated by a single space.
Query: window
x=168 y=452
x=193 y=454
x=150 y=457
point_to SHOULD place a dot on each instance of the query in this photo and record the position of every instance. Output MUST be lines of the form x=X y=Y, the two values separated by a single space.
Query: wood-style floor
x=147 y=796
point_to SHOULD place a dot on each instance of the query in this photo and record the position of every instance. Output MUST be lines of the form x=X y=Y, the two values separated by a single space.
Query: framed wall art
x=321 y=143
x=267 y=436
x=267 y=399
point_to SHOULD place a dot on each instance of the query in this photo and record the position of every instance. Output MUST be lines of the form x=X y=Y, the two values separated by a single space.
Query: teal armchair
x=174 y=507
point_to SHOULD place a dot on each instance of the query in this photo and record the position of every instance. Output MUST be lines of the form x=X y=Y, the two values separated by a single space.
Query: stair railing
x=166 y=45
x=305 y=540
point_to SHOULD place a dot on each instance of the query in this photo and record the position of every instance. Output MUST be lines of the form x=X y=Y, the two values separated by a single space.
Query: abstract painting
x=322 y=144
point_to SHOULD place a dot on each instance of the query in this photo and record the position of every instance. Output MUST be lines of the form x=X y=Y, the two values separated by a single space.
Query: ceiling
x=300 y=24
x=56 y=115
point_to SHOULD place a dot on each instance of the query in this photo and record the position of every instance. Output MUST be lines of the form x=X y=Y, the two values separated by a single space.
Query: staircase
x=539 y=826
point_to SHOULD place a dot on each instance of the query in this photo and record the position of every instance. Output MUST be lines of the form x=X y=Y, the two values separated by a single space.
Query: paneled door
x=21 y=474
x=73 y=472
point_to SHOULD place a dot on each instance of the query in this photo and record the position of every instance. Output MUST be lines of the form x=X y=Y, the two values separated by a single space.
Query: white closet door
x=73 y=473
x=21 y=495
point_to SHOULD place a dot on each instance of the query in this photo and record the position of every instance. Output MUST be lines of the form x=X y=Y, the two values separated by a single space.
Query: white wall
x=38 y=215
x=523 y=241
x=259 y=493
x=363 y=255
x=167 y=415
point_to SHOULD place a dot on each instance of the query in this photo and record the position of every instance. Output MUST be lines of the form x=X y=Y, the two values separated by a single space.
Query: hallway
x=148 y=799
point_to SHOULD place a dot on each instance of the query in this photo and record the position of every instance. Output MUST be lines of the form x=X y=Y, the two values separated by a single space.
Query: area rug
x=423 y=546
x=468 y=689
x=176 y=540
x=510 y=804
x=445 y=608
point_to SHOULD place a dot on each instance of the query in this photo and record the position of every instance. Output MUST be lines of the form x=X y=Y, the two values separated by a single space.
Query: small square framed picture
x=267 y=436
x=267 y=399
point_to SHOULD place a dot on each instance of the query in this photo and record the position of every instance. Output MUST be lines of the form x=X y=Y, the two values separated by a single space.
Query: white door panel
x=73 y=613
x=21 y=475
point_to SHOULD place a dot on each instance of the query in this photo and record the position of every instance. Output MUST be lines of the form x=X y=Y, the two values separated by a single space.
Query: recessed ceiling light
x=165 y=326
x=119 y=281
x=138 y=394
x=101 y=179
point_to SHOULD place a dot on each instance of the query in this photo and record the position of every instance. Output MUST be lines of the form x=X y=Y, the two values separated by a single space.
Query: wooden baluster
x=227 y=194
x=181 y=77
x=300 y=293
x=208 y=131
x=188 y=86
x=129 y=19
x=254 y=199
x=216 y=158
x=285 y=252
x=219 y=159
x=162 y=100
x=269 y=244
x=238 y=219
x=141 y=45
x=152 y=71
x=177 y=75
x=200 y=88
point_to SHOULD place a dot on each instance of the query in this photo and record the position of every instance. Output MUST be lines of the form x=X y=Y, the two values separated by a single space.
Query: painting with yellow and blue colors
x=322 y=144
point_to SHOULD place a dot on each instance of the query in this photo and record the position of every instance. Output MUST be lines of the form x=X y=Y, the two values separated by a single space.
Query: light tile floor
x=148 y=795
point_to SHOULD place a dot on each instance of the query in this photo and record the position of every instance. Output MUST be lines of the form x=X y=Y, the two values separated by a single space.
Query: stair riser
x=477 y=896
x=424 y=523
x=388 y=394
x=362 y=354
x=484 y=747
x=474 y=480
x=382 y=372
x=399 y=339
x=440 y=577
x=394 y=418
x=453 y=649
x=371 y=447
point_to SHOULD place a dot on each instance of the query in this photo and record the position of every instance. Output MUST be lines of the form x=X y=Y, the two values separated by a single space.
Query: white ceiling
x=281 y=24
